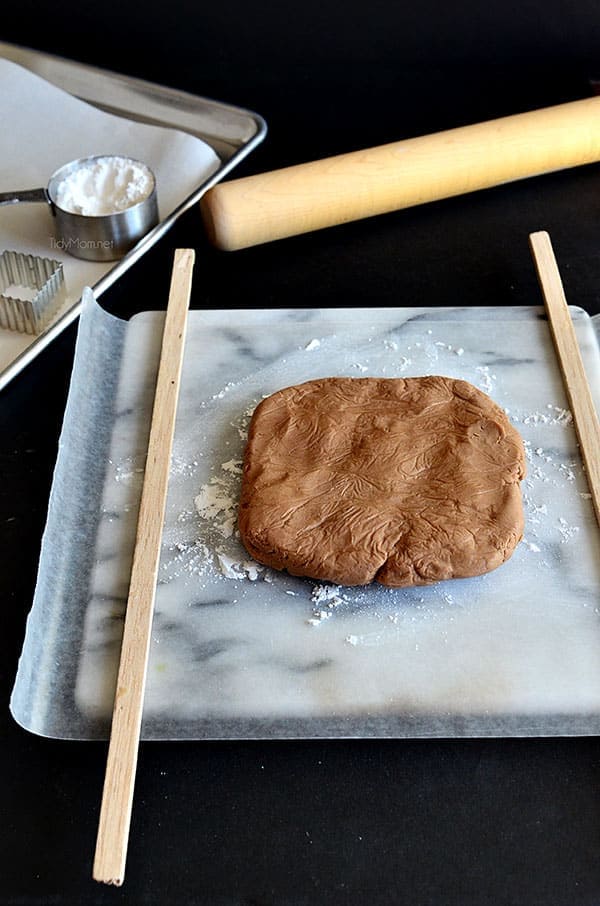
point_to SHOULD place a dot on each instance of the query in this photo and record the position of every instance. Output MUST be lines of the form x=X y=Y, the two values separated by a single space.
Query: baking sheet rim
x=67 y=318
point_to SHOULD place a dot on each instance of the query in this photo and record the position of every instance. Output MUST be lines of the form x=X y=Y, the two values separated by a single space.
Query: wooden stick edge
x=117 y=797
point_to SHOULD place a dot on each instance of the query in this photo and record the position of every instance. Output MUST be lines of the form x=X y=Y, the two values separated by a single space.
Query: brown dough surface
x=401 y=481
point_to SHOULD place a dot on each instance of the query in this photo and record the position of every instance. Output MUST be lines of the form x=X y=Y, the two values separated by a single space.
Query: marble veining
x=241 y=652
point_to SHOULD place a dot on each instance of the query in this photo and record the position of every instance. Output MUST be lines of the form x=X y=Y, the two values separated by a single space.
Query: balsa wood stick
x=243 y=212
x=577 y=387
x=117 y=797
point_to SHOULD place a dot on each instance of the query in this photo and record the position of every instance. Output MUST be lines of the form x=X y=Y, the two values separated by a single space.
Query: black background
x=315 y=822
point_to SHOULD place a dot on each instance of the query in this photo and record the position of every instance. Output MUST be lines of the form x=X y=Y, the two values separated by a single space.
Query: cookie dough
x=399 y=481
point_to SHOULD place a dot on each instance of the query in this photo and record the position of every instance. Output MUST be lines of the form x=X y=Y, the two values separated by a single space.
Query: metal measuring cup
x=94 y=237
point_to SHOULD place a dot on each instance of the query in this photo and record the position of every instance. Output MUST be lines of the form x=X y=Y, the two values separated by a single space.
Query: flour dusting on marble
x=325 y=598
x=216 y=503
x=217 y=549
x=238 y=569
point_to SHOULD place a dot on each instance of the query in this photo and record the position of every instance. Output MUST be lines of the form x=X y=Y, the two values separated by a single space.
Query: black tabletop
x=511 y=821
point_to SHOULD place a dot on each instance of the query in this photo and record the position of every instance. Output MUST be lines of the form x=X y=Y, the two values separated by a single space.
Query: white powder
x=486 y=379
x=235 y=569
x=567 y=469
x=216 y=503
x=191 y=558
x=561 y=417
x=234 y=466
x=319 y=616
x=567 y=531
x=329 y=594
x=181 y=466
x=105 y=185
x=325 y=594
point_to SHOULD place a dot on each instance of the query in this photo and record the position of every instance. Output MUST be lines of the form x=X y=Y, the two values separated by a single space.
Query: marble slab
x=244 y=652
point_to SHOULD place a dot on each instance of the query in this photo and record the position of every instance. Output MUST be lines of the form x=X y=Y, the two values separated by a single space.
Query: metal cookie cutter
x=30 y=272
x=94 y=237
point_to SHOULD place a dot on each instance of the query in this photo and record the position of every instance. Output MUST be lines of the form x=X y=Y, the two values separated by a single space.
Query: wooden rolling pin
x=293 y=200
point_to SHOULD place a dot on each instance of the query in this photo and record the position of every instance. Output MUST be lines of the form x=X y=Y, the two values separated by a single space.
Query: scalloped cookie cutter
x=42 y=279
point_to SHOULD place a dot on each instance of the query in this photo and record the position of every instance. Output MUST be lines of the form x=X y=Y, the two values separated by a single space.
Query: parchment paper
x=240 y=652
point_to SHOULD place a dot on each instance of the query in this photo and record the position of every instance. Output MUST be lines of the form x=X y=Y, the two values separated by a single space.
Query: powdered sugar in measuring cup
x=104 y=185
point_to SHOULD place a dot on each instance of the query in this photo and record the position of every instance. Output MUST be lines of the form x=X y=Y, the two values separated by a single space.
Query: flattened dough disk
x=399 y=481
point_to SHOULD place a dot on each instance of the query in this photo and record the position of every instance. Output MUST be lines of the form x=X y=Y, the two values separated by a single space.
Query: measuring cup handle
x=24 y=195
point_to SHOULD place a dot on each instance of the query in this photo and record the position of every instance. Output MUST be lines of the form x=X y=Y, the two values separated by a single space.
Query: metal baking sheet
x=231 y=132
x=241 y=652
